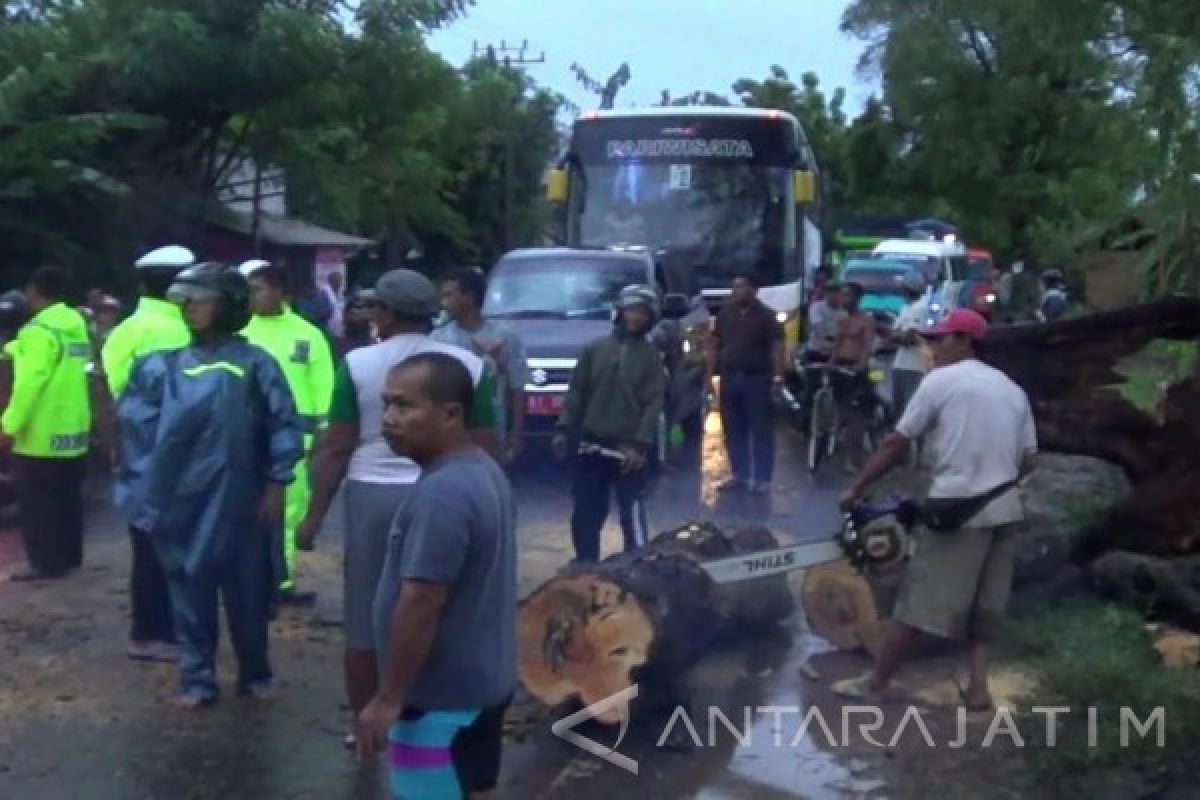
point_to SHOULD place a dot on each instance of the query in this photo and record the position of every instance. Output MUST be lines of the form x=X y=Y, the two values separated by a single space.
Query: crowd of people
x=225 y=396
x=240 y=420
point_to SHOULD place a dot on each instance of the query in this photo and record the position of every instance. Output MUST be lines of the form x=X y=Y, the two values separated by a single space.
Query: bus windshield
x=726 y=217
x=711 y=193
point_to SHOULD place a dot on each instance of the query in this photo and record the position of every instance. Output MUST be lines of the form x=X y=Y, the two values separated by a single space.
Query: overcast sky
x=679 y=45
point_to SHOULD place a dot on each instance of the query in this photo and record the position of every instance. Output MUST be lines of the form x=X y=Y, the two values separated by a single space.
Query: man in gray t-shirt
x=493 y=341
x=446 y=603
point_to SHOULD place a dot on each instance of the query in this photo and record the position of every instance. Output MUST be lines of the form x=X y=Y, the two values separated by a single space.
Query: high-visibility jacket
x=302 y=352
x=49 y=412
x=155 y=325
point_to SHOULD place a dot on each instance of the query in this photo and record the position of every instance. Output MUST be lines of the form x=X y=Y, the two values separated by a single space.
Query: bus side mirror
x=804 y=187
x=556 y=186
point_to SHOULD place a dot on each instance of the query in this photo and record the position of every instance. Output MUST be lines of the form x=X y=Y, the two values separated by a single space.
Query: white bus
x=711 y=192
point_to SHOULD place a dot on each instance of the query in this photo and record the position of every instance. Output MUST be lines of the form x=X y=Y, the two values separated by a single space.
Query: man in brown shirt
x=747 y=348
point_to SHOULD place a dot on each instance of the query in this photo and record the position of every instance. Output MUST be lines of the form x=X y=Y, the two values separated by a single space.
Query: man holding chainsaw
x=979 y=433
x=612 y=409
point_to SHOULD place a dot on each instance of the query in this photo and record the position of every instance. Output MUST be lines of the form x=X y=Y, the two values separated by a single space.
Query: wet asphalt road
x=79 y=720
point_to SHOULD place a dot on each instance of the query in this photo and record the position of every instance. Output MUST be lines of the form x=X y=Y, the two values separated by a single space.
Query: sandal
x=855 y=688
x=263 y=692
x=975 y=707
x=193 y=701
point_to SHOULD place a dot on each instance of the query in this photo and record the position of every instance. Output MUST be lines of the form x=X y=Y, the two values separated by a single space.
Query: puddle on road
x=776 y=756
x=763 y=759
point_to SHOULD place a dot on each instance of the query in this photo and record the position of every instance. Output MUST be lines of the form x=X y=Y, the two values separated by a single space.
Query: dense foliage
x=122 y=120
x=1038 y=127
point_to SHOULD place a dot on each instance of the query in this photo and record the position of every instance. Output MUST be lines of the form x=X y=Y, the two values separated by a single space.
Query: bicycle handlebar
x=849 y=372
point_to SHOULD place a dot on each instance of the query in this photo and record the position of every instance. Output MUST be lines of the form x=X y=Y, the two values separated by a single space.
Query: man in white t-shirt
x=377 y=481
x=978 y=430
x=908 y=367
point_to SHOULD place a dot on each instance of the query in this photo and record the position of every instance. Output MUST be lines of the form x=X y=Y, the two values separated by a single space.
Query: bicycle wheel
x=876 y=429
x=821 y=427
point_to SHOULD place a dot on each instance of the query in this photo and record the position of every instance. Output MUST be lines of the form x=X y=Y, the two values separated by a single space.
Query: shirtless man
x=854 y=347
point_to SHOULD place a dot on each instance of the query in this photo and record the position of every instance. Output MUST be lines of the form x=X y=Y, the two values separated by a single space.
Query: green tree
x=823 y=119
x=1007 y=115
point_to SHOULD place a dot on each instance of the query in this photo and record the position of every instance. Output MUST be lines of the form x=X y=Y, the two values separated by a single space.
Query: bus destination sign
x=679 y=148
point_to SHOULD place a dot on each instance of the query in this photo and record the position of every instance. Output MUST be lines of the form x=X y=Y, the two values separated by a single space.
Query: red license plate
x=543 y=404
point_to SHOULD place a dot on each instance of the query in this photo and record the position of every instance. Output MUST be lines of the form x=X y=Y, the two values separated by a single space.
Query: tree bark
x=642 y=618
x=1069 y=369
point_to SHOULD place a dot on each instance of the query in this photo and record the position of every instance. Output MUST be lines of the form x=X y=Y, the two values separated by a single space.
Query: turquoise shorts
x=443 y=755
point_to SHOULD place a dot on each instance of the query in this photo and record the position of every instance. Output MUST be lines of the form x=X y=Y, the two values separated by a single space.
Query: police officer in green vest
x=47 y=425
x=156 y=325
x=302 y=351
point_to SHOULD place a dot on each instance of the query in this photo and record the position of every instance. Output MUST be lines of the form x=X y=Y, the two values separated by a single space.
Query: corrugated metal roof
x=287 y=232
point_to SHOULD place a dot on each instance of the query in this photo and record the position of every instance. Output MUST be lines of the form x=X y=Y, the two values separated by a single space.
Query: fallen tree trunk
x=1165 y=587
x=1120 y=386
x=642 y=618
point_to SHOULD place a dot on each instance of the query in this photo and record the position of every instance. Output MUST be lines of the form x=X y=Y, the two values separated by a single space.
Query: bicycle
x=826 y=427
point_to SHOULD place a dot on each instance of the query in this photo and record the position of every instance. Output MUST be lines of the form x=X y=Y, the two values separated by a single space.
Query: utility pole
x=509 y=57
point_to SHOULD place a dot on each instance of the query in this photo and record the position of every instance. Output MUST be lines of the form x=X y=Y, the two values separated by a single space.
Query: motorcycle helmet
x=639 y=294
x=1053 y=279
x=214 y=281
x=253 y=266
x=14 y=312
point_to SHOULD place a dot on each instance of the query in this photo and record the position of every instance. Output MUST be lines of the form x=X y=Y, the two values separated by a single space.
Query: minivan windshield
x=570 y=287
x=931 y=266
x=876 y=281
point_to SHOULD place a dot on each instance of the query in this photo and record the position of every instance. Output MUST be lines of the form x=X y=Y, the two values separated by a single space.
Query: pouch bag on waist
x=948 y=514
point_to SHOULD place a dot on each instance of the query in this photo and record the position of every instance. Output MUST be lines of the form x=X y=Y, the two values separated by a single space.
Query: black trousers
x=596 y=477
x=50 y=491
x=148 y=593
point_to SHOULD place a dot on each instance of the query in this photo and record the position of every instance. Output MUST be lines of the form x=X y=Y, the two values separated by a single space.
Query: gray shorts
x=370 y=508
x=957 y=584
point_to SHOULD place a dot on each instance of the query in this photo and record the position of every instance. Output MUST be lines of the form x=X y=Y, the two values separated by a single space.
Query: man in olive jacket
x=612 y=408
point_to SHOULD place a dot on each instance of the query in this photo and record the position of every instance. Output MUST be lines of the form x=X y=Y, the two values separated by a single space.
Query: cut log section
x=840 y=606
x=641 y=618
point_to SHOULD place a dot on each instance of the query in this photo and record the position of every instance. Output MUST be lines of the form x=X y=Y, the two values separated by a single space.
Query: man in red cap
x=978 y=430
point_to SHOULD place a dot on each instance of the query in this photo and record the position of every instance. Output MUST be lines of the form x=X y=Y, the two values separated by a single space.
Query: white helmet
x=248 y=268
x=171 y=257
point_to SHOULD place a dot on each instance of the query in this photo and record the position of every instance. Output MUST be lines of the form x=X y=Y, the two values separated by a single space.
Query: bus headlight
x=781 y=317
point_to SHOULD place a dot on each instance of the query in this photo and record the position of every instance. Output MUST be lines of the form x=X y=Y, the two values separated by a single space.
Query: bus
x=711 y=192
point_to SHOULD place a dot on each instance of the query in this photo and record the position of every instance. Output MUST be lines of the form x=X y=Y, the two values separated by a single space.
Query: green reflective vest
x=49 y=413
x=302 y=352
x=156 y=325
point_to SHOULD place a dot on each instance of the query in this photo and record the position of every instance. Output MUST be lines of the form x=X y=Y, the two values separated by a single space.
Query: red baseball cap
x=960 y=320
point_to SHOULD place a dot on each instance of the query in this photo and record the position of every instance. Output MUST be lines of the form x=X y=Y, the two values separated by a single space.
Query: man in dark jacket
x=612 y=407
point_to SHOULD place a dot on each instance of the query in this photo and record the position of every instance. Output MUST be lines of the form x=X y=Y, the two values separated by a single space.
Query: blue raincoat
x=204 y=429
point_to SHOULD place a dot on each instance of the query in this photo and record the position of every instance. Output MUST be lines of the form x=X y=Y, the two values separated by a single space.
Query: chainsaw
x=872 y=537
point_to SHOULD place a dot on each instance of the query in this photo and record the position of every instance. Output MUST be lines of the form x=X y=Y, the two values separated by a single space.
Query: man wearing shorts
x=445 y=611
x=377 y=481
x=854 y=347
x=979 y=432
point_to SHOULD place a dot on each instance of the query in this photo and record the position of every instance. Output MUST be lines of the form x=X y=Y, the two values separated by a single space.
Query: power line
x=504 y=53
